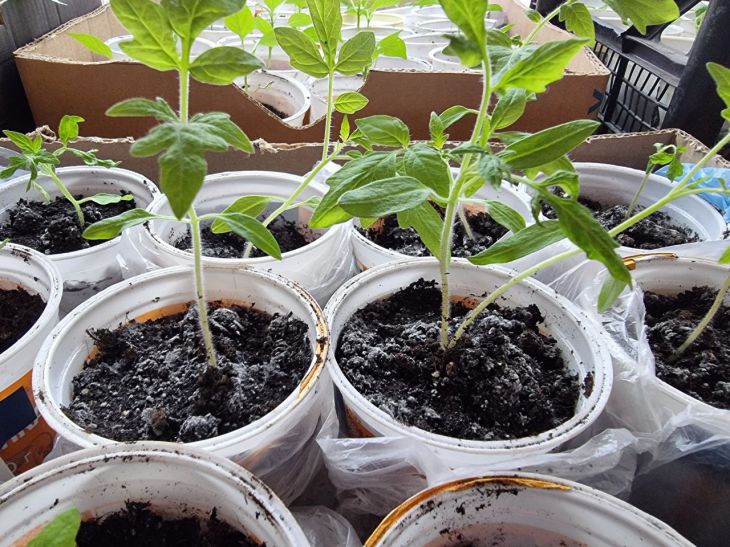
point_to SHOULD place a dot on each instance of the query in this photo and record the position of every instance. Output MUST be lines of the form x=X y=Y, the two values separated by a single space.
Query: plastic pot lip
x=79 y=461
x=67 y=428
x=301 y=88
x=603 y=376
x=673 y=259
x=260 y=261
x=51 y=305
x=519 y=479
x=80 y=170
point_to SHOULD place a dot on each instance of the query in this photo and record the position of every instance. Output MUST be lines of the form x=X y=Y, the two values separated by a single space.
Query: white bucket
x=385 y=62
x=379 y=32
x=283 y=93
x=200 y=46
x=419 y=46
x=87 y=271
x=445 y=26
x=263 y=445
x=426 y=14
x=446 y=63
x=582 y=346
x=26 y=438
x=318 y=88
x=519 y=509
x=369 y=254
x=320 y=266
x=380 y=19
x=177 y=481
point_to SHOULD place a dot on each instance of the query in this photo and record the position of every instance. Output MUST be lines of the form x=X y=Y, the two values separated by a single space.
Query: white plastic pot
x=178 y=481
x=320 y=267
x=379 y=32
x=397 y=63
x=519 y=509
x=318 y=88
x=25 y=439
x=369 y=254
x=446 y=63
x=419 y=46
x=581 y=343
x=437 y=25
x=200 y=46
x=425 y=14
x=379 y=20
x=87 y=271
x=281 y=92
x=263 y=445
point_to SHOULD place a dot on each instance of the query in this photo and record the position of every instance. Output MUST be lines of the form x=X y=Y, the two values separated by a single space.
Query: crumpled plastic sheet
x=324 y=527
x=715 y=178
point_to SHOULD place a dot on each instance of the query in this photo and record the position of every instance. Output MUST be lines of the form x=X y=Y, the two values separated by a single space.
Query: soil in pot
x=275 y=111
x=504 y=380
x=703 y=370
x=229 y=245
x=19 y=310
x=654 y=232
x=53 y=227
x=151 y=380
x=137 y=525
x=387 y=233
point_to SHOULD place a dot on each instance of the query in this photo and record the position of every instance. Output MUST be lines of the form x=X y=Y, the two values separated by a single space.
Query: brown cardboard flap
x=61 y=76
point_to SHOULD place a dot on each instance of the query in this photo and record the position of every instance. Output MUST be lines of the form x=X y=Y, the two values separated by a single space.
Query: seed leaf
x=113 y=226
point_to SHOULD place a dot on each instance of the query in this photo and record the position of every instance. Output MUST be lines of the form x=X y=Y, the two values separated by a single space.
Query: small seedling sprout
x=666 y=154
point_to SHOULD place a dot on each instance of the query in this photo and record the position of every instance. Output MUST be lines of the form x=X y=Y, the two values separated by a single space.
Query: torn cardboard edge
x=61 y=76
x=628 y=150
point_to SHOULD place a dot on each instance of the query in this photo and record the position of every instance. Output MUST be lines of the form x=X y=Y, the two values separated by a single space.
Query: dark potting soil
x=19 y=310
x=485 y=230
x=137 y=525
x=275 y=111
x=151 y=380
x=230 y=245
x=53 y=227
x=654 y=232
x=703 y=370
x=504 y=380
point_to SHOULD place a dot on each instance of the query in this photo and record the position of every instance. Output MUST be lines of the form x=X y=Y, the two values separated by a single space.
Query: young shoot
x=181 y=140
x=59 y=532
x=39 y=161
x=366 y=9
x=666 y=154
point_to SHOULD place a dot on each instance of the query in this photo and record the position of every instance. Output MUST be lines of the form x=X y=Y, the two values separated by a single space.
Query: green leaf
x=566 y=180
x=505 y=215
x=643 y=13
x=561 y=164
x=345 y=129
x=350 y=102
x=520 y=244
x=725 y=258
x=240 y=23
x=579 y=21
x=510 y=107
x=392 y=46
x=721 y=75
x=253 y=230
x=14 y=163
x=533 y=15
x=384 y=197
x=158 y=109
x=252 y=206
x=154 y=43
x=493 y=169
x=23 y=142
x=302 y=51
x=427 y=223
x=268 y=34
x=300 y=19
x=190 y=136
x=221 y=125
x=469 y=16
x=221 y=65
x=68 y=128
x=428 y=166
x=327 y=22
x=548 y=145
x=113 y=226
x=544 y=65
x=384 y=130
x=191 y=17
x=104 y=198
x=437 y=130
x=181 y=177
x=356 y=54
x=60 y=532
x=92 y=43
x=610 y=291
x=273 y=4
x=89 y=158
x=467 y=51
x=455 y=113
x=582 y=229
x=498 y=38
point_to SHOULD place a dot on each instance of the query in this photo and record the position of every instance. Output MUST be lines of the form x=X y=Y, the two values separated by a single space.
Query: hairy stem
x=544 y=21
x=328 y=117
x=51 y=172
x=199 y=288
x=465 y=222
x=637 y=195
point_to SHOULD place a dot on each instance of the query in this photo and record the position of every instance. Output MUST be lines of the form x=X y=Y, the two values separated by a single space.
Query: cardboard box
x=61 y=76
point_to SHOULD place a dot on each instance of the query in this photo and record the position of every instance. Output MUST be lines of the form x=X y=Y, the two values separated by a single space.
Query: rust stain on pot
x=355 y=427
x=397 y=514
x=630 y=261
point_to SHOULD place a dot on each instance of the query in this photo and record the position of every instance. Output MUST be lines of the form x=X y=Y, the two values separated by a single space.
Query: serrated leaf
x=252 y=230
x=158 y=109
x=23 y=142
x=252 y=206
x=356 y=54
x=92 y=43
x=427 y=223
x=428 y=166
x=643 y=13
x=525 y=242
x=579 y=21
x=721 y=75
x=350 y=102
x=223 y=64
x=60 y=532
x=548 y=145
x=384 y=130
x=302 y=51
x=504 y=215
x=154 y=43
x=113 y=226
x=493 y=169
x=221 y=125
x=610 y=291
x=384 y=197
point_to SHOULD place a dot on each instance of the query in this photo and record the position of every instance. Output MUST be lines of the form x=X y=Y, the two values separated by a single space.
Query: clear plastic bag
x=324 y=527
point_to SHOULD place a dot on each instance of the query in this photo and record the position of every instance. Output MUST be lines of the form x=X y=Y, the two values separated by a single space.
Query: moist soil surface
x=19 y=311
x=654 y=232
x=53 y=227
x=230 y=245
x=703 y=370
x=486 y=232
x=151 y=380
x=137 y=525
x=504 y=379
x=275 y=111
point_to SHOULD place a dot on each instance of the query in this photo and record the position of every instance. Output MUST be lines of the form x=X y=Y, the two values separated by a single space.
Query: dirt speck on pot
x=504 y=379
x=19 y=310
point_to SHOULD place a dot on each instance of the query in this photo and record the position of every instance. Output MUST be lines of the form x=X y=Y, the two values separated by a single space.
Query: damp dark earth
x=504 y=380
x=229 y=245
x=485 y=233
x=703 y=370
x=19 y=310
x=53 y=227
x=138 y=525
x=151 y=380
